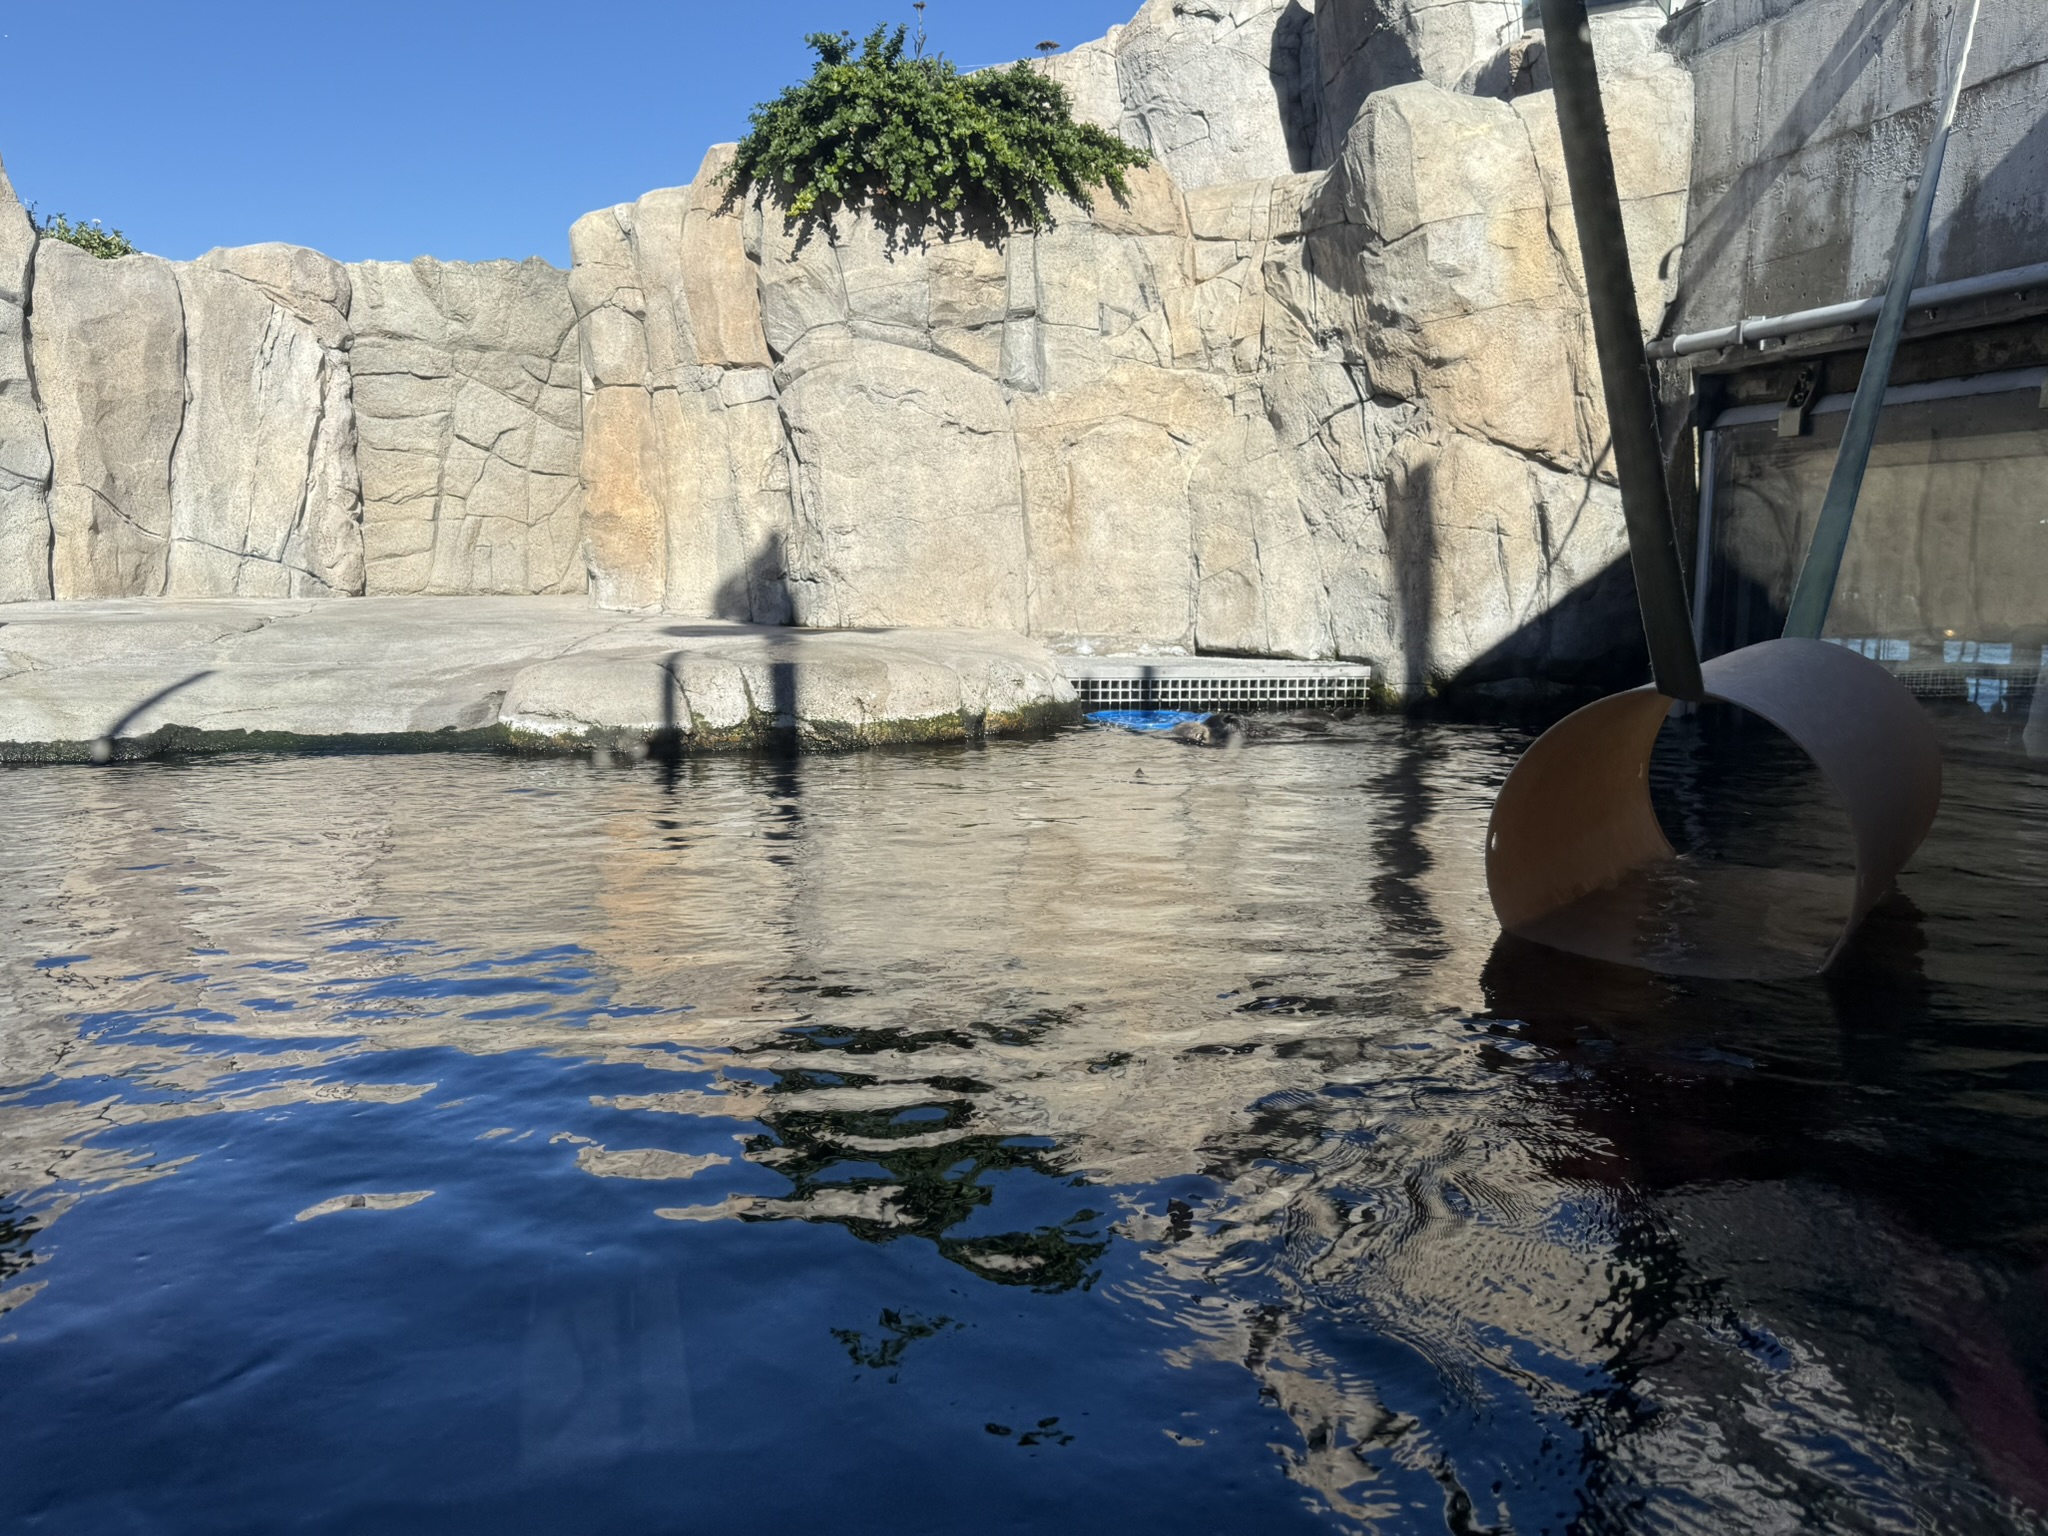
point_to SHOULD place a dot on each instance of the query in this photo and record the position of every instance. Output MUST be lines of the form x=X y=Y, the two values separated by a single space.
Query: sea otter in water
x=1217 y=730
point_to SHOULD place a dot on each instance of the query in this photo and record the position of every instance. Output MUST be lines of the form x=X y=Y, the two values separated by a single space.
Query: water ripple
x=1094 y=1133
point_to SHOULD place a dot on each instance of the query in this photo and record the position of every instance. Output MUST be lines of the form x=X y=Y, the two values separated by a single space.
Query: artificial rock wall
x=1230 y=90
x=24 y=445
x=1322 y=386
x=266 y=422
x=1341 y=412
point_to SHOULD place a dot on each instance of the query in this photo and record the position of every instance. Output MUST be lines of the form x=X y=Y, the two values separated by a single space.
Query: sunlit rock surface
x=1350 y=412
x=109 y=349
x=24 y=444
x=265 y=422
x=1321 y=385
x=1363 y=46
x=468 y=413
x=1218 y=92
x=907 y=485
x=265 y=495
x=119 y=679
x=200 y=425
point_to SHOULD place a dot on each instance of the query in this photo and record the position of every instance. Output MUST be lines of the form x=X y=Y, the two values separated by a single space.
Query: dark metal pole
x=1624 y=366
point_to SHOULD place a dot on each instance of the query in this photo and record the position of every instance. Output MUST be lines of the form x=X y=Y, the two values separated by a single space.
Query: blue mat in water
x=1145 y=719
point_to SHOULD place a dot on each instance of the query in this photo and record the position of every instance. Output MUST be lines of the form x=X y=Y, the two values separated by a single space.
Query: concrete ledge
x=141 y=677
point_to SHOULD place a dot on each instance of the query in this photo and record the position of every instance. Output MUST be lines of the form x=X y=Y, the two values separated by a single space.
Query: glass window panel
x=1947 y=565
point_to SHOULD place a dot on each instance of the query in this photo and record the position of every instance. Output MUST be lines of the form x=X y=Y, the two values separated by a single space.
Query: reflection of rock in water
x=1047 y=1035
x=1474 y=1219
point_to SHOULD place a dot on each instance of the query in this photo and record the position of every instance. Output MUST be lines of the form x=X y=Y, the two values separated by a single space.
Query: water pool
x=1092 y=1134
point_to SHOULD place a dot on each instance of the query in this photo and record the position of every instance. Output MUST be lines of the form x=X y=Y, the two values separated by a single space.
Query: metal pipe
x=2010 y=381
x=1775 y=327
x=1703 y=548
x=1808 y=611
x=1618 y=337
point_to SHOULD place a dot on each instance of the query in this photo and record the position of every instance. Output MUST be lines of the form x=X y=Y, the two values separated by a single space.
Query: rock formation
x=24 y=446
x=98 y=681
x=201 y=436
x=266 y=422
x=1372 y=45
x=265 y=500
x=109 y=353
x=1225 y=90
x=1350 y=412
x=468 y=416
x=1321 y=385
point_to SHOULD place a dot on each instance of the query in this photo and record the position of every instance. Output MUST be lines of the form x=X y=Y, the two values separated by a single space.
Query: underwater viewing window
x=1946 y=570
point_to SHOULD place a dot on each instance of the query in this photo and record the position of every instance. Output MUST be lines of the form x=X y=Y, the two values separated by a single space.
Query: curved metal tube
x=1574 y=826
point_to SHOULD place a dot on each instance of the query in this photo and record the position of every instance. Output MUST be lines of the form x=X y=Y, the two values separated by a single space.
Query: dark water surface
x=1088 y=1135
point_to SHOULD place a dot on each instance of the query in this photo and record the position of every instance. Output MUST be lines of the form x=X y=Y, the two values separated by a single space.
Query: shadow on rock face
x=757 y=593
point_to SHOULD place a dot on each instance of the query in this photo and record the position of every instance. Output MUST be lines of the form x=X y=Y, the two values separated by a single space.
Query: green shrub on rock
x=87 y=236
x=919 y=144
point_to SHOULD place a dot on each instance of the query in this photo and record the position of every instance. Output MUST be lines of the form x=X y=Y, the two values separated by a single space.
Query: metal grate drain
x=1205 y=682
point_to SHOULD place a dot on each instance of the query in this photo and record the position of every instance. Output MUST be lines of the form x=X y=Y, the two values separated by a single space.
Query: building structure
x=1812 y=119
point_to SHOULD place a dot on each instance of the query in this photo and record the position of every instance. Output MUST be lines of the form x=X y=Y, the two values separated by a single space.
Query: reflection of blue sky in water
x=1100 y=1133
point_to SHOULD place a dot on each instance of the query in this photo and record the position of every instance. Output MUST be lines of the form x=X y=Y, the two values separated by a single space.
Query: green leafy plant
x=919 y=144
x=87 y=236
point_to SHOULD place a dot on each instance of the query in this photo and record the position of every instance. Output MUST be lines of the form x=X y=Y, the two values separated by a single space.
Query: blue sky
x=466 y=129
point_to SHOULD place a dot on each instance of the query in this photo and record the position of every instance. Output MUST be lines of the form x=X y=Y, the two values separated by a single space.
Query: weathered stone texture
x=625 y=539
x=551 y=669
x=908 y=509
x=24 y=445
x=1440 y=251
x=264 y=495
x=1321 y=384
x=192 y=429
x=1106 y=474
x=469 y=419
x=686 y=470
x=108 y=348
x=1221 y=91
x=1352 y=412
x=200 y=426
x=1233 y=90
x=1089 y=74
x=1363 y=46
